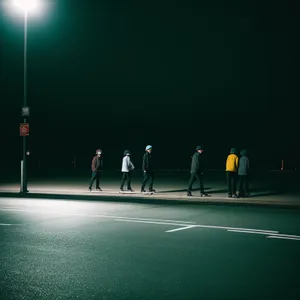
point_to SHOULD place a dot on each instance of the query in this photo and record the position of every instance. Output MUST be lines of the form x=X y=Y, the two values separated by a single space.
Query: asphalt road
x=56 y=249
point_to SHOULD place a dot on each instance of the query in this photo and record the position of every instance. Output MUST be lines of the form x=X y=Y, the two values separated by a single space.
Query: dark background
x=123 y=74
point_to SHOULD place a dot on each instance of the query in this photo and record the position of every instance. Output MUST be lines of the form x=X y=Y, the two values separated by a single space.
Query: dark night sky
x=122 y=74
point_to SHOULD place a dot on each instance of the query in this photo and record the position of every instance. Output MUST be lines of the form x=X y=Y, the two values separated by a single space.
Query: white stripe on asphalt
x=282 y=237
x=250 y=231
x=184 y=224
x=181 y=228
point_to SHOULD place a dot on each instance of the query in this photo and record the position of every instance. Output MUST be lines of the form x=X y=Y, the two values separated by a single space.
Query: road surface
x=59 y=249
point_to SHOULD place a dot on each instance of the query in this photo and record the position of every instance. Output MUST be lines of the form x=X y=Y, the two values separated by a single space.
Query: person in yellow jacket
x=232 y=165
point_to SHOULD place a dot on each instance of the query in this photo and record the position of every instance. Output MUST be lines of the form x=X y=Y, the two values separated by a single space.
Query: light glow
x=27 y=5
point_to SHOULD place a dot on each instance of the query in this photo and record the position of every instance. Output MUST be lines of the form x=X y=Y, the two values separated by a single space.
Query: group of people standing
x=236 y=172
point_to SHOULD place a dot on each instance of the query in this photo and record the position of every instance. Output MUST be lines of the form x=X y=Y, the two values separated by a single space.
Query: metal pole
x=24 y=169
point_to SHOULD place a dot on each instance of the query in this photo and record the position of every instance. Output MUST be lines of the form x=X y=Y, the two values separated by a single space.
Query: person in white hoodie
x=127 y=168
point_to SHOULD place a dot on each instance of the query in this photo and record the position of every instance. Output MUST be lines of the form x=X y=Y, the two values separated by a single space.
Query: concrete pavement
x=268 y=188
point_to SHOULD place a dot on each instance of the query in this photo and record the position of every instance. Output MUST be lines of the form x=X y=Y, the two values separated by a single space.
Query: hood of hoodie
x=233 y=151
x=244 y=152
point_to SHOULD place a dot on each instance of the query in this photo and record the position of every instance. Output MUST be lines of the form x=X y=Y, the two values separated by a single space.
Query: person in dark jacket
x=243 y=171
x=197 y=168
x=147 y=168
x=96 y=167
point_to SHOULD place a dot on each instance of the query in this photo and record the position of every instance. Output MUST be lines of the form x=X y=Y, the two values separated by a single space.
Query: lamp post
x=26 y=6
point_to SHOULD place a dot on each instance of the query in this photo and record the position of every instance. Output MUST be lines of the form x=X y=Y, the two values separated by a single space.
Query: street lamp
x=26 y=6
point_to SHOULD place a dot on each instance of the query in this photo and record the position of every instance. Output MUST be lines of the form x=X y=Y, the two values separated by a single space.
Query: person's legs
x=229 y=187
x=145 y=179
x=191 y=182
x=98 y=179
x=240 y=184
x=200 y=179
x=246 y=185
x=128 y=175
x=123 y=180
x=151 y=175
x=234 y=182
x=93 y=177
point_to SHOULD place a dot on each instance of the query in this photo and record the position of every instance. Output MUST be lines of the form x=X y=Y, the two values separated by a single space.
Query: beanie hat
x=148 y=147
x=233 y=151
x=244 y=152
x=126 y=152
x=198 y=148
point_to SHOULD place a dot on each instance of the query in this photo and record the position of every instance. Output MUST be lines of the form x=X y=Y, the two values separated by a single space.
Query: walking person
x=243 y=171
x=232 y=163
x=197 y=168
x=96 y=167
x=147 y=168
x=127 y=168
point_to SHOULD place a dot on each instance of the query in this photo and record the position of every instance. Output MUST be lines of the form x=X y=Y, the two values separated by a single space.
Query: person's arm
x=237 y=163
x=145 y=163
x=131 y=166
x=94 y=164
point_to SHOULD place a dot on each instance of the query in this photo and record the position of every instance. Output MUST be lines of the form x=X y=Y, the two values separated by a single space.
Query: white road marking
x=250 y=231
x=184 y=224
x=150 y=222
x=181 y=228
x=282 y=237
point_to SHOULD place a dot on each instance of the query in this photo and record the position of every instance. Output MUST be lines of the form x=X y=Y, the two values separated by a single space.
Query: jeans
x=148 y=176
x=196 y=177
x=95 y=176
x=126 y=176
x=231 y=182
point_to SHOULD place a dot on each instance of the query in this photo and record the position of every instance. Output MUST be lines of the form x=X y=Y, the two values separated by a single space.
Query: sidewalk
x=166 y=193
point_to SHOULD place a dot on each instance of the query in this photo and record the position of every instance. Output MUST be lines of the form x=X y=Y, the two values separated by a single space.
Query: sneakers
x=235 y=196
x=130 y=190
x=90 y=189
x=204 y=195
x=98 y=189
x=152 y=190
x=143 y=191
x=189 y=194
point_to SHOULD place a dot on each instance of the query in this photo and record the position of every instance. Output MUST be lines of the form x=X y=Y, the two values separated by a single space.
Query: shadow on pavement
x=182 y=190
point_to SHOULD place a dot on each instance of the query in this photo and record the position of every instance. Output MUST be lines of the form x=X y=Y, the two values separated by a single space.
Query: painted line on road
x=181 y=228
x=283 y=238
x=151 y=222
x=185 y=225
x=250 y=231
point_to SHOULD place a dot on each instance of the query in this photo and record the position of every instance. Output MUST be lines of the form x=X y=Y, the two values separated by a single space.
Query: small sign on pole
x=25 y=111
x=24 y=129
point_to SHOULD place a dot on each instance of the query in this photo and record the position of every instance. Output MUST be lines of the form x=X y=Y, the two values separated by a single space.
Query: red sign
x=24 y=129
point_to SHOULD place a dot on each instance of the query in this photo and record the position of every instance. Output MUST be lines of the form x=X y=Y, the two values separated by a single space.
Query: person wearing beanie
x=147 y=168
x=232 y=163
x=197 y=167
x=243 y=170
x=127 y=168
x=96 y=167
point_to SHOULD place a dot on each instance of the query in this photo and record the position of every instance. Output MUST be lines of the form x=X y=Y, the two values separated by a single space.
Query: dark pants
x=95 y=176
x=126 y=177
x=243 y=184
x=231 y=182
x=148 y=176
x=193 y=178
